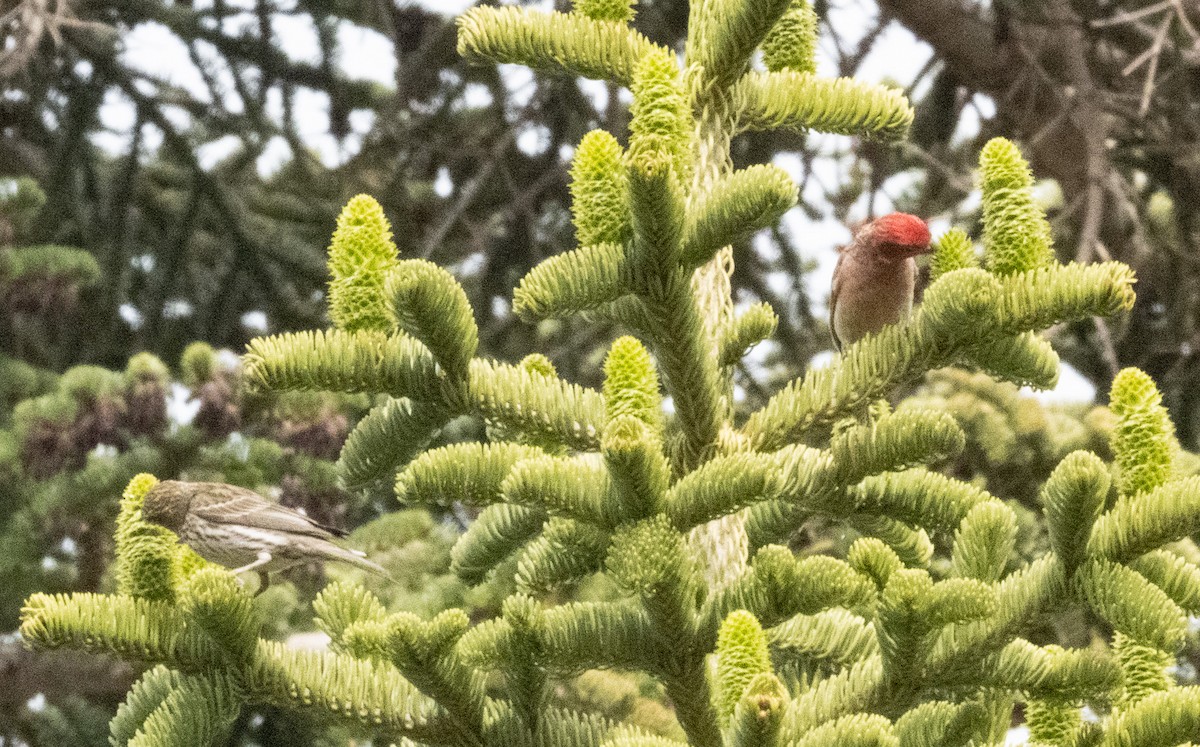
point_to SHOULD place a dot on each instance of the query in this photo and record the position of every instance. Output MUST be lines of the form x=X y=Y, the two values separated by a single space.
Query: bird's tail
x=360 y=560
x=357 y=558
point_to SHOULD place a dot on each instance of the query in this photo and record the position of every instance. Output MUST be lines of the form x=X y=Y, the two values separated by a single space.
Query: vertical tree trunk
x=722 y=543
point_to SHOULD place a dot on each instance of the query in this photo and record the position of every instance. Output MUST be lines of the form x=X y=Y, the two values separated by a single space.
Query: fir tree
x=685 y=509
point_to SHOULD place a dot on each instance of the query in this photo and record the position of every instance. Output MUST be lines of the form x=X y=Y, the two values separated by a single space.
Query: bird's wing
x=833 y=297
x=228 y=504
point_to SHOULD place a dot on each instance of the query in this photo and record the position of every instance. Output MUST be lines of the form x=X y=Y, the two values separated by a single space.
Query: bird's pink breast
x=873 y=295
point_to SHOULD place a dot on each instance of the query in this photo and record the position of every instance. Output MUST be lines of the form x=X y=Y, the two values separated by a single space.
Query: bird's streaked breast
x=233 y=546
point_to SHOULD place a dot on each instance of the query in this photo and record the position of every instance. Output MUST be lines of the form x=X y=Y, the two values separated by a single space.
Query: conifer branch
x=1179 y=579
x=340 y=361
x=1025 y=360
x=801 y=101
x=857 y=688
x=156 y=632
x=388 y=438
x=468 y=473
x=756 y=324
x=920 y=497
x=779 y=587
x=911 y=544
x=1074 y=496
x=1051 y=672
x=1137 y=525
x=1132 y=605
x=583 y=636
x=578 y=488
x=733 y=209
x=579 y=280
x=983 y=542
x=146 y=630
x=834 y=637
x=166 y=707
x=430 y=305
x=962 y=300
x=554 y=42
x=498 y=532
x=1168 y=717
x=566 y=552
x=354 y=690
x=1019 y=596
x=536 y=405
x=733 y=30
x=637 y=466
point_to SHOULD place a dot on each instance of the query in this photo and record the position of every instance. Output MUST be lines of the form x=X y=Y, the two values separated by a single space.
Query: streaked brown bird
x=875 y=277
x=239 y=529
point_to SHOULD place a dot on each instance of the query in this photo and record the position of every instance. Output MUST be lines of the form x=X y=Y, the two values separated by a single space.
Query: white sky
x=367 y=55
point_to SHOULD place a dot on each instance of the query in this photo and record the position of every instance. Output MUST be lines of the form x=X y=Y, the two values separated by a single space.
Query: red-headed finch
x=240 y=529
x=875 y=276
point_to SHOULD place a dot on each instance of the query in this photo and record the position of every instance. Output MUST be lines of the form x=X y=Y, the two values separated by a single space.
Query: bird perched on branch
x=239 y=529
x=875 y=276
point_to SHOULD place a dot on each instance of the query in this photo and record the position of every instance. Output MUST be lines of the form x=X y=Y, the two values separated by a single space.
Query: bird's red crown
x=901 y=230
